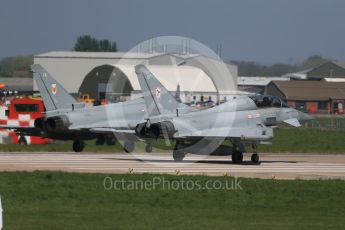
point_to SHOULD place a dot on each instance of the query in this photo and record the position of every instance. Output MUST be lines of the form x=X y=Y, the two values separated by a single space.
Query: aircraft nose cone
x=304 y=116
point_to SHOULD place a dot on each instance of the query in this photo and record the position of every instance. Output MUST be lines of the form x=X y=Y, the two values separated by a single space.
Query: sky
x=264 y=31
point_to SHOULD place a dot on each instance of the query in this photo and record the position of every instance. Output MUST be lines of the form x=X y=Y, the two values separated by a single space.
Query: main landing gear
x=237 y=157
x=105 y=139
x=100 y=140
x=237 y=154
x=178 y=153
x=128 y=146
x=78 y=146
x=22 y=140
x=148 y=148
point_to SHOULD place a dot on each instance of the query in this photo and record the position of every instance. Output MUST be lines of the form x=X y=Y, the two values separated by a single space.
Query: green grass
x=306 y=141
x=285 y=140
x=56 y=200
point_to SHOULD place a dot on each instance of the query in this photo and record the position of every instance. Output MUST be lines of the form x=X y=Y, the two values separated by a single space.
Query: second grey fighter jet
x=243 y=121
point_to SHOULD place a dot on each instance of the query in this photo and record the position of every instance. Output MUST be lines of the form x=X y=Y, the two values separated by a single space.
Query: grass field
x=48 y=200
x=285 y=140
x=306 y=141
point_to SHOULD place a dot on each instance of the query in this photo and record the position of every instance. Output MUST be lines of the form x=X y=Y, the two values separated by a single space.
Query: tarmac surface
x=277 y=166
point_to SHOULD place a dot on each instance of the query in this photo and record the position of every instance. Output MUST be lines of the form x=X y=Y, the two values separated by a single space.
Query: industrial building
x=311 y=96
x=71 y=69
x=316 y=90
x=328 y=70
x=257 y=85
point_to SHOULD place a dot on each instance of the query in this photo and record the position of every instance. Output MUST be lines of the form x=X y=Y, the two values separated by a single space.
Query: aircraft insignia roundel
x=53 y=89
x=158 y=92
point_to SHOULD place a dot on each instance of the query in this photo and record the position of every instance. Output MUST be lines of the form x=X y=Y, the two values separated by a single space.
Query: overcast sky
x=266 y=31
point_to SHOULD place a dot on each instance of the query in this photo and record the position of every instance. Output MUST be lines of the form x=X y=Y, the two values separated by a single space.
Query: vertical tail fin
x=157 y=98
x=54 y=96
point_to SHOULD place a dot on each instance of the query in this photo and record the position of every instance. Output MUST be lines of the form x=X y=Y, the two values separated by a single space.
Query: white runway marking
x=272 y=165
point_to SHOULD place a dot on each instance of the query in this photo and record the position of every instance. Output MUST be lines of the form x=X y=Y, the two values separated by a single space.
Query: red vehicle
x=21 y=112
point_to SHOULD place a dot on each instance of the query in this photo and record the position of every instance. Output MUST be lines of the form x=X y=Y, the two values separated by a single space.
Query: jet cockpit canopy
x=268 y=101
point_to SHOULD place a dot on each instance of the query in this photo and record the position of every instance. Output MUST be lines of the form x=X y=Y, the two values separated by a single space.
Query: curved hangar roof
x=189 y=78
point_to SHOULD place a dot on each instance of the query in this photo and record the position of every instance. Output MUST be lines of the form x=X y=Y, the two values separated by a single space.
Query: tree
x=106 y=45
x=313 y=61
x=10 y=64
x=86 y=43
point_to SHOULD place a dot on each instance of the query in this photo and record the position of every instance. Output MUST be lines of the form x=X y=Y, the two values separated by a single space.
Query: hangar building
x=71 y=68
x=119 y=82
x=257 y=84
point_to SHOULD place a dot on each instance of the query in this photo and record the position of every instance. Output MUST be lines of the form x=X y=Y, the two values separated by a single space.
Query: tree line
x=86 y=43
x=11 y=65
x=246 y=68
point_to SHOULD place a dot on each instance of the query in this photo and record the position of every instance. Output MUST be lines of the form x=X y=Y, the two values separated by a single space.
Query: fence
x=326 y=122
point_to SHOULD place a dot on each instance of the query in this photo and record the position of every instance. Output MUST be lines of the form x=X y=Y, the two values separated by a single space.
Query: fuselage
x=222 y=121
x=122 y=115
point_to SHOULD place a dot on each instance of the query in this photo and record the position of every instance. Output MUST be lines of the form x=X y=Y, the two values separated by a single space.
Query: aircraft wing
x=27 y=131
x=112 y=130
x=104 y=127
x=257 y=133
x=122 y=134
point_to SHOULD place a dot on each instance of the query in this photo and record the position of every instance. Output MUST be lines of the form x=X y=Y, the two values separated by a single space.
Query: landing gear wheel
x=255 y=158
x=100 y=140
x=237 y=157
x=78 y=146
x=22 y=140
x=148 y=148
x=178 y=155
x=128 y=146
x=110 y=140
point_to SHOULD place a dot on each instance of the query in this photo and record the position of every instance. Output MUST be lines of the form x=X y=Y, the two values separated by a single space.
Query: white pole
x=0 y=214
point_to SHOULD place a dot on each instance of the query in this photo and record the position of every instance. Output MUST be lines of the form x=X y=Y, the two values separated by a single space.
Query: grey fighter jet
x=243 y=121
x=66 y=119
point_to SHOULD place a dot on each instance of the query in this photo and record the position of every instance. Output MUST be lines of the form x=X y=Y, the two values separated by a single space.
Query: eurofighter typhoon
x=243 y=121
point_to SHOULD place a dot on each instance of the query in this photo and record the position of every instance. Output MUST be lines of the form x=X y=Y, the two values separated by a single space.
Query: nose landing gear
x=255 y=157
x=148 y=148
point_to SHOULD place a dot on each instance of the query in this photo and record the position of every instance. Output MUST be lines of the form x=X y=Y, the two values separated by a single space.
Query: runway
x=277 y=166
